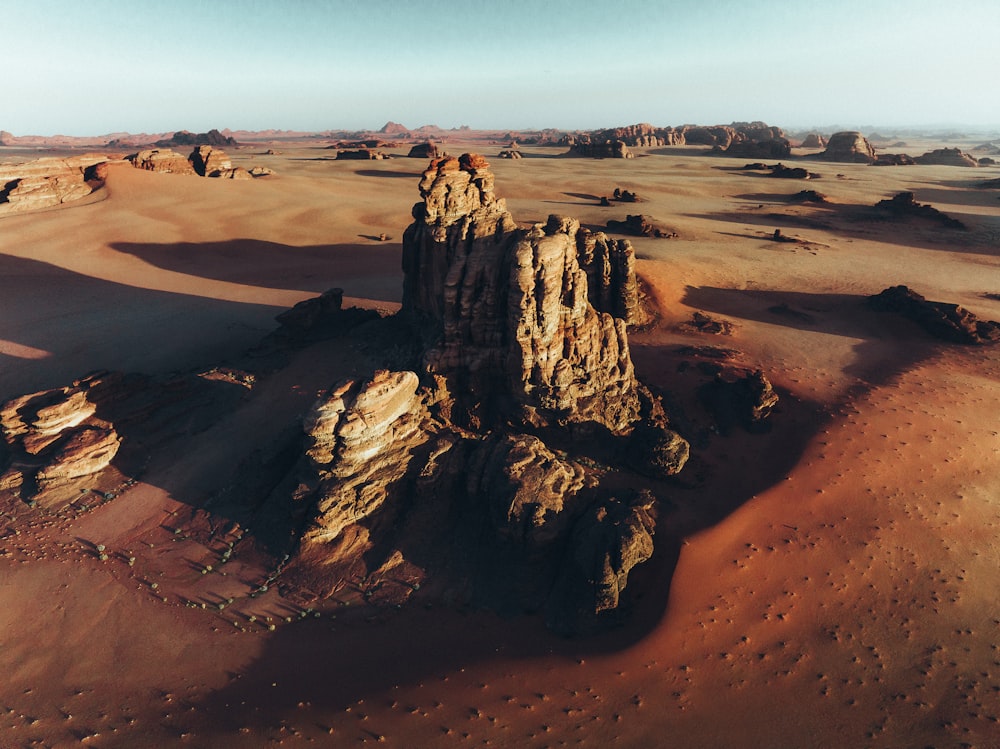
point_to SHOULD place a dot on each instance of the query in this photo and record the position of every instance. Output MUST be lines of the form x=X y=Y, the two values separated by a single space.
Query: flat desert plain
x=832 y=582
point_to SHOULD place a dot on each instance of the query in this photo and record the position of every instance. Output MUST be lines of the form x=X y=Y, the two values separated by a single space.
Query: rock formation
x=781 y=171
x=771 y=148
x=510 y=153
x=209 y=162
x=184 y=138
x=424 y=151
x=49 y=181
x=947 y=157
x=611 y=149
x=904 y=205
x=639 y=225
x=156 y=160
x=950 y=322
x=893 y=159
x=813 y=140
x=740 y=398
x=363 y=154
x=523 y=341
x=848 y=146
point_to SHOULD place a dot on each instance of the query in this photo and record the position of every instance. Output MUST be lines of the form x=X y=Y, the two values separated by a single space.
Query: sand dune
x=829 y=583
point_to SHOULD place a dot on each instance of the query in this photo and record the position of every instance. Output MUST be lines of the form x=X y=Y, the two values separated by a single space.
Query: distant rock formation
x=639 y=226
x=904 y=205
x=893 y=159
x=510 y=153
x=49 y=181
x=950 y=322
x=947 y=157
x=813 y=140
x=807 y=196
x=625 y=196
x=184 y=138
x=395 y=129
x=426 y=150
x=611 y=149
x=6 y=139
x=848 y=146
x=771 y=148
x=781 y=171
x=156 y=160
x=986 y=161
x=363 y=154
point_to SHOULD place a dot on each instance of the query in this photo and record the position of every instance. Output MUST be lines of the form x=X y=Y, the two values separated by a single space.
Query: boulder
x=848 y=146
x=739 y=398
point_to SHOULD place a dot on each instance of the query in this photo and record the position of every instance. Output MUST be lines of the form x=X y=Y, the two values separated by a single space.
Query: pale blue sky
x=90 y=67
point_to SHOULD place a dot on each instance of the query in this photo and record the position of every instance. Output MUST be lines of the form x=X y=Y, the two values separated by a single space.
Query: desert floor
x=830 y=583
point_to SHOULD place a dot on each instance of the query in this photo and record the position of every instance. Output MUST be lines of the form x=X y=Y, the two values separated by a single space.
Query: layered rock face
x=48 y=182
x=161 y=160
x=511 y=312
x=55 y=436
x=849 y=146
x=610 y=149
x=813 y=140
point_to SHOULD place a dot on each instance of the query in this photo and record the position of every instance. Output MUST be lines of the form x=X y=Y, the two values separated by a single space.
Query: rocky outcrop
x=361 y=437
x=424 y=151
x=510 y=153
x=771 y=148
x=184 y=138
x=947 y=157
x=394 y=129
x=209 y=162
x=55 y=436
x=523 y=340
x=813 y=140
x=639 y=225
x=49 y=181
x=893 y=159
x=745 y=399
x=781 y=171
x=362 y=154
x=903 y=205
x=612 y=149
x=848 y=146
x=949 y=322
x=157 y=160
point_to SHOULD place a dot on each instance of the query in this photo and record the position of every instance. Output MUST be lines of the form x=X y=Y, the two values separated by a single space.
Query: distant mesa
x=184 y=138
x=426 y=150
x=947 y=157
x=755 y=140
x=48 y=182
x=6 y=139
x=849 y=147
x=949 y=322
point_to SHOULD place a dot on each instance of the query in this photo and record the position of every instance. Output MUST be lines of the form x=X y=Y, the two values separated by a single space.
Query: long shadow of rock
x=370 y=271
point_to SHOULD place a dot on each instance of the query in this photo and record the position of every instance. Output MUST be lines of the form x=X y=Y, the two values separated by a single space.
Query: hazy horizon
x=110 y=66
